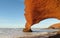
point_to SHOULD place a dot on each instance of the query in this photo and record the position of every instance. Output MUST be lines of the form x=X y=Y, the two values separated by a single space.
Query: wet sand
x=18 y=33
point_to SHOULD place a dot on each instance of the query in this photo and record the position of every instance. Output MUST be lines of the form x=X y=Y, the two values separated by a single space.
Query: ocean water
x=18 y=33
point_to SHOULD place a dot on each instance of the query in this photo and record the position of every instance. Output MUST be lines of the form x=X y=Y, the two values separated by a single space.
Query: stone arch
x=38 y=10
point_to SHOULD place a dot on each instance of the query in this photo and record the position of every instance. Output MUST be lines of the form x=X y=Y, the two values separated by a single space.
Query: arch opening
x=46 y=23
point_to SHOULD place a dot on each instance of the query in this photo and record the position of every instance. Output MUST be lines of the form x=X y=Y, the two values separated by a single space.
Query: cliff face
x=54 y=26
x=38 y=10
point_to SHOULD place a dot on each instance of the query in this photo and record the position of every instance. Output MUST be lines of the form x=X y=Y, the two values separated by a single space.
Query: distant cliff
x=55 y=26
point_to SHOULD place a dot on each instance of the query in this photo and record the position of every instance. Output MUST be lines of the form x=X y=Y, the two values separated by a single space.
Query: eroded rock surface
x=38 y=10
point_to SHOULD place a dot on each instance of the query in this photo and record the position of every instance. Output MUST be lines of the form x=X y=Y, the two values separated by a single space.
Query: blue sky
x=12 y=15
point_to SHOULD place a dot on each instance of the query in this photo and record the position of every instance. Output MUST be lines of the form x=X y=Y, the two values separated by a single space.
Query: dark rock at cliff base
x=55 y=36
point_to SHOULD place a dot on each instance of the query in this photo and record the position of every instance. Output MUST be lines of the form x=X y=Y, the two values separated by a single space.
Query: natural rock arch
x=38 y=10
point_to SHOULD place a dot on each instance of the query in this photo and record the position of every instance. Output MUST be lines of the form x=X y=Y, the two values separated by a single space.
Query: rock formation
x=55 y=36
x=55 y=26
x=38 y=10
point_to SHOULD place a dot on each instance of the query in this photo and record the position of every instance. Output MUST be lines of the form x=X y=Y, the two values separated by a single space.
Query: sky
x=12 y=15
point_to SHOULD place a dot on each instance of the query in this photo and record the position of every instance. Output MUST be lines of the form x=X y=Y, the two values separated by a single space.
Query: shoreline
x=18 y=33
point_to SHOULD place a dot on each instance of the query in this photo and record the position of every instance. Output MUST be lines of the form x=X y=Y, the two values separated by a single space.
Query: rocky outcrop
x=55 y=36
x=55 y=26
x=38 y=10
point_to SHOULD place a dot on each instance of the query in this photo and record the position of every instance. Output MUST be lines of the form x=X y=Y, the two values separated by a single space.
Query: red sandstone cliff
x=38 y=10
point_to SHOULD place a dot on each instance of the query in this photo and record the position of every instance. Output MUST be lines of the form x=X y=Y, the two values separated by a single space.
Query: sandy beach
x=18 y=33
